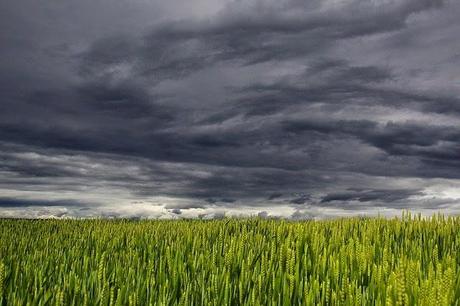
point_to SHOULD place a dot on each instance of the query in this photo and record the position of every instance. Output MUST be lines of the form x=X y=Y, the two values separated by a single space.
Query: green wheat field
x=359 y=261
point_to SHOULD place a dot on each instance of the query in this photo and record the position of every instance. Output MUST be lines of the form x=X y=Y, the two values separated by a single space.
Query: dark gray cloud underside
x=277 y=108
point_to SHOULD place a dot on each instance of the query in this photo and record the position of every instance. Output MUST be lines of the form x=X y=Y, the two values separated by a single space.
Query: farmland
x=356 y=261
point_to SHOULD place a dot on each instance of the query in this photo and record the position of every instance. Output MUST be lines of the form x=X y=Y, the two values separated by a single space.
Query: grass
x=407 y=261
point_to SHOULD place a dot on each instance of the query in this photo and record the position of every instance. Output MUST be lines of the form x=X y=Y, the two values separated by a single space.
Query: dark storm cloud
x=178 y=48
x=15 y=202
x=335 y=83
x=176 y=211
x=274 y=196
x=223 y=200
x=383 y=195
x=242 y=104
x=362 y=200
x=300 y=200
x=428 y=143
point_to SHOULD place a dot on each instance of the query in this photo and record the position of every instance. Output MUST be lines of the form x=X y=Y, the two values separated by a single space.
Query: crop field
x=377 y=261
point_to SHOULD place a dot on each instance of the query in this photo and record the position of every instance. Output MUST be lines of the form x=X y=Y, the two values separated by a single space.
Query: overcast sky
x=297 y=108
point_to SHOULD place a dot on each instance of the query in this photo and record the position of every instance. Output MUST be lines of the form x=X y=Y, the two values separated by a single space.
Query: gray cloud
x=300 y=200
x=390 y=195
x=15 y=202
x=178 y=48
x=302 y=109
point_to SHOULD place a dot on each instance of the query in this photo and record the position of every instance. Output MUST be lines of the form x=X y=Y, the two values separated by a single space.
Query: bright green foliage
x=408 y=261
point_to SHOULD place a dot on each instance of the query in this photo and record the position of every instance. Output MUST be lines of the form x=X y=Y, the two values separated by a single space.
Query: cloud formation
x=288 y=108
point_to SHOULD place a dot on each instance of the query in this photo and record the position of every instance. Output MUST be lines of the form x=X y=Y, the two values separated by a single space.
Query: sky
x=208 y=108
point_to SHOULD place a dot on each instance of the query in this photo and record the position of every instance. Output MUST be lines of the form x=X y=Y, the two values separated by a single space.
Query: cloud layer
x=279 y=108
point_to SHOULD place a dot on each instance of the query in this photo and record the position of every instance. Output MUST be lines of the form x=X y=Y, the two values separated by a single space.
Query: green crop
x=357 y=261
